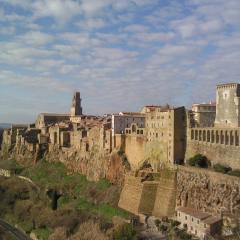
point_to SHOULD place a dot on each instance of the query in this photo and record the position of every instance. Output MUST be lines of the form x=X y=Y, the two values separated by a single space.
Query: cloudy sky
x=121 y=54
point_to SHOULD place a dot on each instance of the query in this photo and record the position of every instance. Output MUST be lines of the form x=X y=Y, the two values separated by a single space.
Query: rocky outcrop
x=208 y=191
x=95 y=164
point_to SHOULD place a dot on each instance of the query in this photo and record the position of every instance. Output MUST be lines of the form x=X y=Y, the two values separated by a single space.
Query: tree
x=199 y=160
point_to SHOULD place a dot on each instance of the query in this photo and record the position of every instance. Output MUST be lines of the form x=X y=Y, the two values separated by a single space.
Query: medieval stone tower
x=76 y=108
x=228 y=105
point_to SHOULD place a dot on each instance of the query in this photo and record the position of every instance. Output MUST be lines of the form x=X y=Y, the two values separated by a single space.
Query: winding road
x=14 y=231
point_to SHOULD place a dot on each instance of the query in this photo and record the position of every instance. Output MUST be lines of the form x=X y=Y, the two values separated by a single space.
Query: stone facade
x=46 y=119
x=76 y=108
x=160 y=193
x=150 y=193
x=228 y=105
x=124 y=120
x=208 y=191
x=204 y=114
x=198 y=223
x=220 y=145
x=166 y=134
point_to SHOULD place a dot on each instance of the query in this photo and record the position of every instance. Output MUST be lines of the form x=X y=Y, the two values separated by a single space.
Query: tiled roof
x=194 y=213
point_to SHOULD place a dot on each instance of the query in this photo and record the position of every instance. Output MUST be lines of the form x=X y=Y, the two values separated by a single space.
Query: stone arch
x=221 y=137
x=231 y=138
x=226 y=138
x=208 y=136
x=134 y=128
x=236 y=138
x=204 y=135
x=200 y=135
x=212 y=136
x=192 y=134
x=196 y=135
x=217 y=137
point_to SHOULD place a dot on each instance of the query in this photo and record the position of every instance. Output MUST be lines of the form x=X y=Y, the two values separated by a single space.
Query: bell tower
x=76 y=108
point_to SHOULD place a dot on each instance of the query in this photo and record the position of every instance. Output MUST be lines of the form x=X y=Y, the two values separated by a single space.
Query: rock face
x=95 y=165
x=208 y=191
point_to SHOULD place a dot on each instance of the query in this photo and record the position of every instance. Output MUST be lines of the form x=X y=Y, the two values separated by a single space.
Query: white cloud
x=91 y=23
x=36 y=38
x=61 y=10
x=93 y=7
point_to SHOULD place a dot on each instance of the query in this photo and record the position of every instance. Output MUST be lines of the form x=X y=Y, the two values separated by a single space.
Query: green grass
x=77 y=189
x=104 y=210
x=42 y=233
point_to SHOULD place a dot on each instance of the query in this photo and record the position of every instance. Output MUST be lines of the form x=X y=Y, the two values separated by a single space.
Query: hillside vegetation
x=57 y=202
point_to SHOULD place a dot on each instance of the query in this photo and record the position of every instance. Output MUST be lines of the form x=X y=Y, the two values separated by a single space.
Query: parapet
x=228 y=85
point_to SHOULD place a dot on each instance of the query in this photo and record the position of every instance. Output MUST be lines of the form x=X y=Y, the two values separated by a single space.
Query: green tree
x=198 y=160
x=124 y=232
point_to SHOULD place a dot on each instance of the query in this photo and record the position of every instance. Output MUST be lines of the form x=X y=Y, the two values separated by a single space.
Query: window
x=185 y=217
x=191 y=228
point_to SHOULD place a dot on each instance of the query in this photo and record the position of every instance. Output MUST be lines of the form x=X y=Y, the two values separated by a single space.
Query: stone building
x=165 y=134
x=46 y=119
x=228 y=105
x=76 y=108
x=123 y=120
x=198 y=223
x=204 y=114
x=221 y=142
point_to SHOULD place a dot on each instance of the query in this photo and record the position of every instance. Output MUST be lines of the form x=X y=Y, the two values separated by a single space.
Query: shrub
x=59 y=233
x=163 y=228
x=42 y=233
x=175 y=223
x=124 y=232
x=199 y=160
x=157 y=222
x=89 y=231
x=184 y=235
x=221 y=168
x=235 y=173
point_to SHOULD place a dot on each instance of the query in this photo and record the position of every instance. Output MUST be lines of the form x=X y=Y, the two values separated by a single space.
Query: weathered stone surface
x=208 y=191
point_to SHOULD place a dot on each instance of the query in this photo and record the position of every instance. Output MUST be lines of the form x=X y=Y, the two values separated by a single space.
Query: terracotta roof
x=194 y=213
x=129 y=114
x=211 y=220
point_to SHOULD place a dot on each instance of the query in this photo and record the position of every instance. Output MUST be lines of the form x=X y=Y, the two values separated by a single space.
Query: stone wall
x=134 y=148
x=155 y=197
x=131 y=194
x=219 y=145
x=208 y=191
x=202 y=189
x=166 y=194
x=148 y=197
x=228 y=105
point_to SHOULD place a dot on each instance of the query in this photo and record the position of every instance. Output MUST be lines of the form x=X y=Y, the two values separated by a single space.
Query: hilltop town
x=170 y=161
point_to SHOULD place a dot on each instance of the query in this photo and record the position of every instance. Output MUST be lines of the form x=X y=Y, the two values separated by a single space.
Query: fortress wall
x=216 y=153
x=156 y=198
x=131 y=194
x=208 y=191
x=220 y=145
x=166 y=194
x=148 y=197
x=134 y=148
